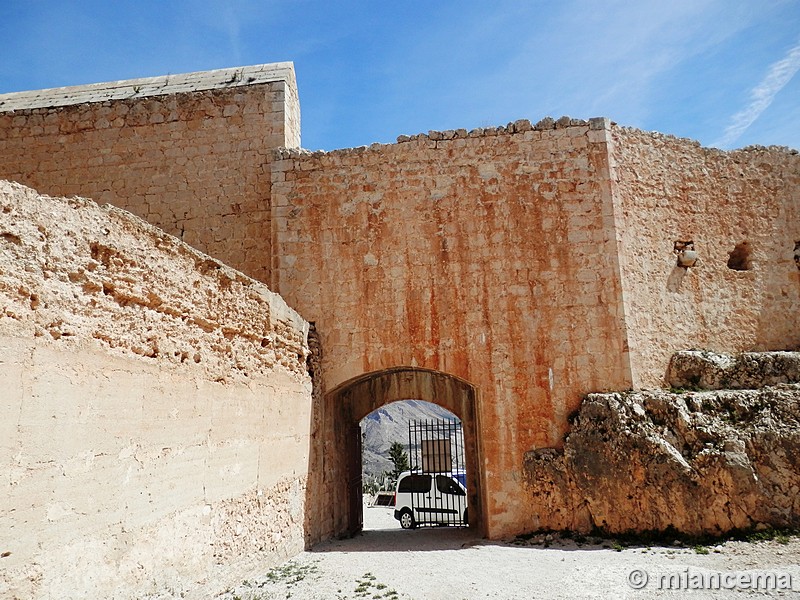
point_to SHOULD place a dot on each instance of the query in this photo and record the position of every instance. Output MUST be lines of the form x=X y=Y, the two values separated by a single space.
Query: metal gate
x=438 y=484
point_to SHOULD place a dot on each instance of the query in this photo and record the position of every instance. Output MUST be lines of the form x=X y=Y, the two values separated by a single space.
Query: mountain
x=390 y=424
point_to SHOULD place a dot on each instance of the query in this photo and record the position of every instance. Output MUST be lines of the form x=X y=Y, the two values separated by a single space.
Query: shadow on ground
x=389 y=540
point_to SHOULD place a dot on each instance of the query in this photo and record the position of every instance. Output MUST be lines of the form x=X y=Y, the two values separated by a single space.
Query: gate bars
x=436 y=448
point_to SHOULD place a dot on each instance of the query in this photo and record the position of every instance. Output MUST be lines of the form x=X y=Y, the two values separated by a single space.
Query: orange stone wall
x=490 y=256
x=534 y=263
x=669 y=189
x=195 y=164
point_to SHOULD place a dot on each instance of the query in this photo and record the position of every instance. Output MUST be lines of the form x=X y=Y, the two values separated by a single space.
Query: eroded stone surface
x=534 y=261
x=698 y=462
x=490 y=258
x=749 y=370
x=74 y=271
x=667 y=190
x=189 y=153
x=154 y=439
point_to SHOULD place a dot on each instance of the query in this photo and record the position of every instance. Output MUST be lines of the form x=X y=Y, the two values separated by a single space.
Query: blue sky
x=720 y=71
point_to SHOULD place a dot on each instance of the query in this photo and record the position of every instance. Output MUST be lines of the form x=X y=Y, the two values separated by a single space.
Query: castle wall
x=188 y=153
x=155 y=404
x=670 y=189
x=490 y=256
x=536 y=264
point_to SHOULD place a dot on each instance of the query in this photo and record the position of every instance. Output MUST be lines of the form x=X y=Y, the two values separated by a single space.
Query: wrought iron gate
x=439 y=479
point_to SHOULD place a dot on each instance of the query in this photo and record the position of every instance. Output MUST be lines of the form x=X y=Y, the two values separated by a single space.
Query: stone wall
x=669 y=189
x=533 y=264
x=487 y=255
x=188 y=153
x=156 y=408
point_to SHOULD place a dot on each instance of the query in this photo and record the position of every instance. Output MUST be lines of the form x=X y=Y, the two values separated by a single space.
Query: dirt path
x=392 y=563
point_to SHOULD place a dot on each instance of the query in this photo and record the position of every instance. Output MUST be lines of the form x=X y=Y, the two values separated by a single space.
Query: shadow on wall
x=779 y=316
x=675 y=279
x=767 y=269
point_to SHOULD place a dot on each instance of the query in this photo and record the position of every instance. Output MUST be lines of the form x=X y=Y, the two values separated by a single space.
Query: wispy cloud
x=761 y=96
x=231 y=24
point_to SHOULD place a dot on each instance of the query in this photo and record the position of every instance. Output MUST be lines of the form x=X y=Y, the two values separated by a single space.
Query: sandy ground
x=437 y=563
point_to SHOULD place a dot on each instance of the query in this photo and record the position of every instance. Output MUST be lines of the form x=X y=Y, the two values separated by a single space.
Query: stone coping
x=149 y=86
x=518 y=126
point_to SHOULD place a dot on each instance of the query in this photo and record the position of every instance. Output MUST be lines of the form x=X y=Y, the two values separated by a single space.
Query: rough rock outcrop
x=750 y=370
x=697 y=462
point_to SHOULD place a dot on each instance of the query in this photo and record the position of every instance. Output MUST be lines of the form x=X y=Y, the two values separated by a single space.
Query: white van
x=430 y=499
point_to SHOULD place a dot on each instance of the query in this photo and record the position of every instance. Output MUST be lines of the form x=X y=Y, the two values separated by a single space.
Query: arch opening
x=334 y=498
x=413 y=467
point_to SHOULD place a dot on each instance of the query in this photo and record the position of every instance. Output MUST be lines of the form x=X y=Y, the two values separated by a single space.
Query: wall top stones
x=668 y=137
x=150 y=86
x=514 y=127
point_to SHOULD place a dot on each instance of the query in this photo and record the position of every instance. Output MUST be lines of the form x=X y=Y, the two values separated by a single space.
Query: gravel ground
x=437 y=563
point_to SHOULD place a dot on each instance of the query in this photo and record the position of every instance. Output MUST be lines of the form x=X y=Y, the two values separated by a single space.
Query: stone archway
x=333 y=504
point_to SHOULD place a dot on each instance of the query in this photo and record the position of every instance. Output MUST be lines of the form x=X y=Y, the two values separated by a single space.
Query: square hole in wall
x=739 y=258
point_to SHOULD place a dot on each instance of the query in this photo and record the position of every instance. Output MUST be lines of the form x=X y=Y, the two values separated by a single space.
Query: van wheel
x=407 y=520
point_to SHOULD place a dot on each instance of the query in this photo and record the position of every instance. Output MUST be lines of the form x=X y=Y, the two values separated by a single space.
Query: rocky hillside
x=699 y=462
x=390 y=424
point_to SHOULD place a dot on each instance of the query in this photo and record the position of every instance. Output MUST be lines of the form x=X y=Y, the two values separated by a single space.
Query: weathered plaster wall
x=669 y=189
x=188 y=153
x=155 y=406
x=488 y=255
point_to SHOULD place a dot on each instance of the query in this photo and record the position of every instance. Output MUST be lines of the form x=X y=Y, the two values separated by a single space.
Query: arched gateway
x=334 y=488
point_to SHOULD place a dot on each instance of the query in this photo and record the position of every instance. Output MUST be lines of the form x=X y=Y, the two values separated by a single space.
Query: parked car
x=430 y=499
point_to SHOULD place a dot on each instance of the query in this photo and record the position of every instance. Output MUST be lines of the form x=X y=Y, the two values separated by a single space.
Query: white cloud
x=761 y=96
x=574 y=57
x=231 y=24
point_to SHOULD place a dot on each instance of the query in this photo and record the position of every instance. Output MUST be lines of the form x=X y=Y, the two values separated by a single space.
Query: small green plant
x=362 y=588
x=368 y=583
x=782 y=537
x=698 y=549
x=617 y=547
x=290 y=573
x=761 y=536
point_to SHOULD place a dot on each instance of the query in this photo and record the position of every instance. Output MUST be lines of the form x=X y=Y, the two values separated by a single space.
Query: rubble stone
x=693 y=369
x=699 y=463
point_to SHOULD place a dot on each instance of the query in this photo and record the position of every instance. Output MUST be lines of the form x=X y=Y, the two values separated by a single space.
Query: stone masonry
x=520 y=267
x=491 y=258
x=188 y=153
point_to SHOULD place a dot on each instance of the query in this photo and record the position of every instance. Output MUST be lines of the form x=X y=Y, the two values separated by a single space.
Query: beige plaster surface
x=156 y=409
